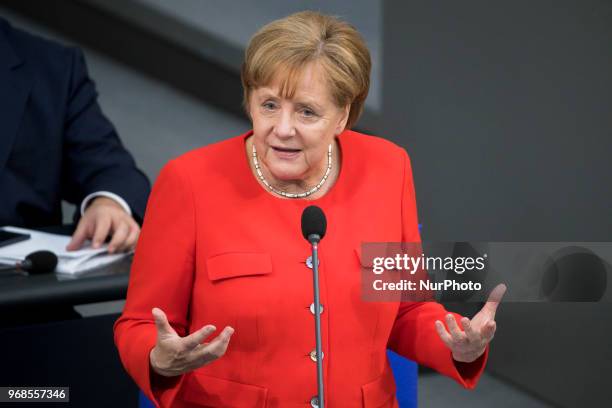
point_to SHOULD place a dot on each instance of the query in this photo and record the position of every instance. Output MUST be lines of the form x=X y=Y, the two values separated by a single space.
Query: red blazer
x=216 y=248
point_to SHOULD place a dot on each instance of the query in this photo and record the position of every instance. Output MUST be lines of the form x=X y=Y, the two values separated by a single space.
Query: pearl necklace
x=293 y=195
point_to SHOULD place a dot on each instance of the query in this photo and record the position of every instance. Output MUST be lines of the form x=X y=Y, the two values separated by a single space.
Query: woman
x=221 y=247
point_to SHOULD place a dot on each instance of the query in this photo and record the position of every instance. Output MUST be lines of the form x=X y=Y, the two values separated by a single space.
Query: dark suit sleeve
x=94 y=158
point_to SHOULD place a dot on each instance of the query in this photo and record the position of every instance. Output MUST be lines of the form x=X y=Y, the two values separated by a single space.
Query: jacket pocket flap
x=206 y=391
x=363 y=261
x=233 y=264
x=380 y=391
x=376 y=254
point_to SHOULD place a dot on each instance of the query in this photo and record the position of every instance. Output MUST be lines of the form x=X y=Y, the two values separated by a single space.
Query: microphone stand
x=12 y=269
x=314 y=240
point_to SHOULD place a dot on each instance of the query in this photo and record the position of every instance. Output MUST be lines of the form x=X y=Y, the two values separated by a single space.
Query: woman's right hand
x=174 y=355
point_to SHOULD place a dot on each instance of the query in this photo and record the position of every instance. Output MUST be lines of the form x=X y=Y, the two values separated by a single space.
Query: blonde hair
x=281 y=49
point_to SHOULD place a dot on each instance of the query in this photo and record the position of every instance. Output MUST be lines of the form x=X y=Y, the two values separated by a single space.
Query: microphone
x=314 y=226
x=35 y=263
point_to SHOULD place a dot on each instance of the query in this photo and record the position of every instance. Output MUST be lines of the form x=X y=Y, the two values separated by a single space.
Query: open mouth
x=285 y=149
x=286 y=153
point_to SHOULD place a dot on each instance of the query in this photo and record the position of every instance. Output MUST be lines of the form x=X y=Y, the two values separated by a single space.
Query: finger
x=488 y=330
x=119 y=237
x=79 y=236
x=217 y=347
x=444 y=335
x=470 y=332
x=132 y=238
x=161 y=323
x=454 y=329
x=196 y=338
x=101 y=231
x=494 y=299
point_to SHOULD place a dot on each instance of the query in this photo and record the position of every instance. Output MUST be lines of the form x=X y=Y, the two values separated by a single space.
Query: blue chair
x=406 y=378
x=143 y=402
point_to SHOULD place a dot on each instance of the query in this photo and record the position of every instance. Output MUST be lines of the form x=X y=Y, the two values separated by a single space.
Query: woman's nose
x=285 y=127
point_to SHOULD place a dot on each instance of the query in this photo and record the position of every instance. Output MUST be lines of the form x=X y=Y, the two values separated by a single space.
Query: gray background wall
x=506 y=111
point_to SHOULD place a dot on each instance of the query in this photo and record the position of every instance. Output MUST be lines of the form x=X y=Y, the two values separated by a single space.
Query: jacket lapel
x=15 y=85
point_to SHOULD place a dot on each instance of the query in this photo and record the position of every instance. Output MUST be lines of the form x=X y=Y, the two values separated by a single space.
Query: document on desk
x=69 y=262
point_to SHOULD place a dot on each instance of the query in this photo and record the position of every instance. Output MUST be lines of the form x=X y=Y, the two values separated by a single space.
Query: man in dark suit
x=56 y=144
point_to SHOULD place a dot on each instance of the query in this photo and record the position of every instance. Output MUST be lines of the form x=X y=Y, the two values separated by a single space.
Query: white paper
x=69 y=262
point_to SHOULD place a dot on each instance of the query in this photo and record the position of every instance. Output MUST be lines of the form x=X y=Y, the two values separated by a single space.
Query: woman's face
x=292 y=135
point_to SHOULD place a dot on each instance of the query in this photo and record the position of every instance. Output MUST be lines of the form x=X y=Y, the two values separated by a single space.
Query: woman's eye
x=269 y=105
x=308 y=113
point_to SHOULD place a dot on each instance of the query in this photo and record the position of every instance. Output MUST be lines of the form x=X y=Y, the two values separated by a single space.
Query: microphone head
x=313 y=223
x=40 y=262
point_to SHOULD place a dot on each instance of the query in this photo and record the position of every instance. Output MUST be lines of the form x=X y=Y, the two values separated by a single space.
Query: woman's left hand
x=468 y=344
